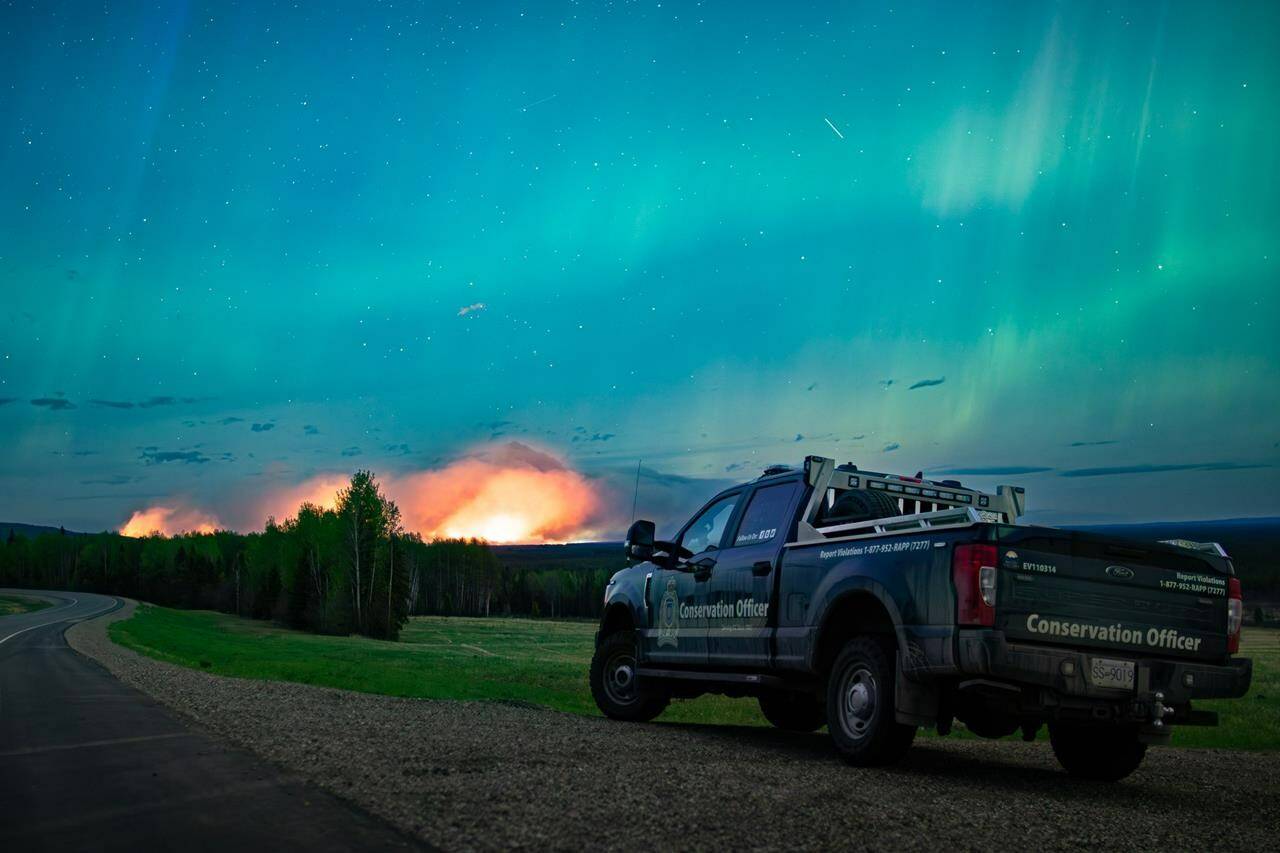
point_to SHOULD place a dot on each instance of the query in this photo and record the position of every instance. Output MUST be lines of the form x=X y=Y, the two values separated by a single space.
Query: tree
x=371 y=525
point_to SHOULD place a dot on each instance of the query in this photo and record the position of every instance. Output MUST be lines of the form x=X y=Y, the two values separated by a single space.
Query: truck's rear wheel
x=792 y=711
x=1100 y=753
x=614 y=684
x=860 y=704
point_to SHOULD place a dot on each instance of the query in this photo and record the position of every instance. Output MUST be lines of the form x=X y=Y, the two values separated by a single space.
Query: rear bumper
x=985 y=653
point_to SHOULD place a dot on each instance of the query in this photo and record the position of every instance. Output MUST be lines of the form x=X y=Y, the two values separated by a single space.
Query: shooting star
x=526 y=107
x=833 y=127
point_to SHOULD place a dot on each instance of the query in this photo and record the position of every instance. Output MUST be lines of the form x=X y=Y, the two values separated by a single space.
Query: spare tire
x=860 y=505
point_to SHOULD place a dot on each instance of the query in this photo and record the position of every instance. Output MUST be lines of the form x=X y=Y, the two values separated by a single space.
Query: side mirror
x=639 y=544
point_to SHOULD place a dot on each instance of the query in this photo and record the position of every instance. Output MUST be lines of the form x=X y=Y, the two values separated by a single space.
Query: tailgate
x=1078 y=589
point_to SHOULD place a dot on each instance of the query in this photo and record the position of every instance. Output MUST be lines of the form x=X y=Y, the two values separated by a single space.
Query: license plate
x=1105 y=672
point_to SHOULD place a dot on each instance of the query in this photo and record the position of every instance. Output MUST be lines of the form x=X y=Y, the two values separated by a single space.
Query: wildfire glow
x=320 y=491
x=169 y=521
x=497 y=502
x=510 y=493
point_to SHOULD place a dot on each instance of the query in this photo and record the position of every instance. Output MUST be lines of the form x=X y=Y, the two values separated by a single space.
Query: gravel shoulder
x=478 y=775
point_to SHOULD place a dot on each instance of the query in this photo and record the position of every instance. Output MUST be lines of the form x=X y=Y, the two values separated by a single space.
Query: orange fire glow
x=497 y=502
x=169 y=520
x=321 y=491
x=506 y=494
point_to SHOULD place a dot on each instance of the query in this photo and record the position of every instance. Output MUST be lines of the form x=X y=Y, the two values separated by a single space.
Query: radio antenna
x=635 y=498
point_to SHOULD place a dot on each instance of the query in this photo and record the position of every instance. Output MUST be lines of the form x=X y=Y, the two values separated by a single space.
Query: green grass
x=542 y=662
x=11 y=605
x=1252 y=722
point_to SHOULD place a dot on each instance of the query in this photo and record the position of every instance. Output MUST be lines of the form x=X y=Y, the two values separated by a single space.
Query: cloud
x=152 y=456
x=471 y=309
x=397 y=449
x=114 y=480
x=149 y=403
x=4 y=401
x=892 y=446
x=267 y=427
x=1160 y=469
x=228 y=421
x=56 y=404
x=308 y=429
x=927 y=383
x=599 y=436
x=350 y=451
x=1092 y=443
x=995 y=471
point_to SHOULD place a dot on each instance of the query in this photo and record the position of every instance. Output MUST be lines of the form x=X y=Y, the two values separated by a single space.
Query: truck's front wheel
x=792 y=711
x=1097 y=752
x=614 y=685
x=860 y=704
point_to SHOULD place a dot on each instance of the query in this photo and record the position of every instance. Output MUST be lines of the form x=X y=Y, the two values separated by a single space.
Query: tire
x=614 y=685
x=860 y=505
x=1098 y=753
x=792 y=711
x=860 y=704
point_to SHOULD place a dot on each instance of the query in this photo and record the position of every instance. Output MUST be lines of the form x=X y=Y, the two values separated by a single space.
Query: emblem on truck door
x=669 y=616
x=1120 y=572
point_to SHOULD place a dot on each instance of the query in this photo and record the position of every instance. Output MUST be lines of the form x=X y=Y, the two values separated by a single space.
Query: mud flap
x=916 y=702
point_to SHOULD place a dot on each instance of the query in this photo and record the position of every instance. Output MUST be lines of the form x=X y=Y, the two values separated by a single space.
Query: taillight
x=1235 y=615
x=973 y=569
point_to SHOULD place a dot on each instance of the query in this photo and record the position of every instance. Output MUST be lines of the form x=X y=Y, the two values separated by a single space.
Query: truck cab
x=877 y=603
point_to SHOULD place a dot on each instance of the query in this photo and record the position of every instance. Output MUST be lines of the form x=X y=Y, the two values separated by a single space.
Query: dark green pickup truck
x=875 y=604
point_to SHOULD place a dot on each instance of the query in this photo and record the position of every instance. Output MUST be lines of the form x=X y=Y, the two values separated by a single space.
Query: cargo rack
x=925 y=504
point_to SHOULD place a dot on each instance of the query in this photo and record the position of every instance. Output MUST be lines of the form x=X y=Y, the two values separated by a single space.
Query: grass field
x=13 y=604
x=541 y=662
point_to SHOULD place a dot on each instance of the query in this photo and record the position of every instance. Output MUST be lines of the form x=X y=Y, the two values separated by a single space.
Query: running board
x=716 y=677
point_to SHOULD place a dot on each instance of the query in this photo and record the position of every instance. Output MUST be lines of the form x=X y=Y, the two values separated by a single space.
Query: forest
x=352 y=569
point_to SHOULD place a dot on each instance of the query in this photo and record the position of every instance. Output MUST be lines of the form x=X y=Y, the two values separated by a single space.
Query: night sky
x=245 y=247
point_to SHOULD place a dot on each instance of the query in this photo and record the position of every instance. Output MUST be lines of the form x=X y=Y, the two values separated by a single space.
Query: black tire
x=614 y=685
x=792 y=711
x=1099 y=753
x=860 y=505
x=860 y=704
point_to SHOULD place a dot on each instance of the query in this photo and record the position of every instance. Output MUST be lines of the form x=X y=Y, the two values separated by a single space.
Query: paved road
x=87 y=762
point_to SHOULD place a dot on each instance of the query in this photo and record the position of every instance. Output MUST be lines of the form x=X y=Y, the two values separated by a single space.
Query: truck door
x=739 y=595
x=677 y=632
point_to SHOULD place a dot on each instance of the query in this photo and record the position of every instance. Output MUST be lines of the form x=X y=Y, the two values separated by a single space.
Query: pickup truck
x=875 y=604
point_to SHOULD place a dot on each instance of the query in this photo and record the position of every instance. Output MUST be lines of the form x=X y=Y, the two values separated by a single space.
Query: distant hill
x=576 y=555
x=31 y=531
x=1252 y=543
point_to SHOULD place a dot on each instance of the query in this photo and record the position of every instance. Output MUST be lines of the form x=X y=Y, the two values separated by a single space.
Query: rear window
x=765 y=517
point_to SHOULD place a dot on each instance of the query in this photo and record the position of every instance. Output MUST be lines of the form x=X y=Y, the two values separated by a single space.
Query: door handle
x=702 y=568
x=761 y=568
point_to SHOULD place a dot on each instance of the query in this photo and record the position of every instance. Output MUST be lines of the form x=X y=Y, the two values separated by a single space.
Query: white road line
x=58 y=747
x=833 y=127
x=74 y=602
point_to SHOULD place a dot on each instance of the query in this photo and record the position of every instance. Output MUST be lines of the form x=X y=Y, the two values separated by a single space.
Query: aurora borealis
x=246 y=246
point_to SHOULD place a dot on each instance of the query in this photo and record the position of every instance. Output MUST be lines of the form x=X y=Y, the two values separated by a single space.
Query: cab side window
x=765 y=518
x=707 y=529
